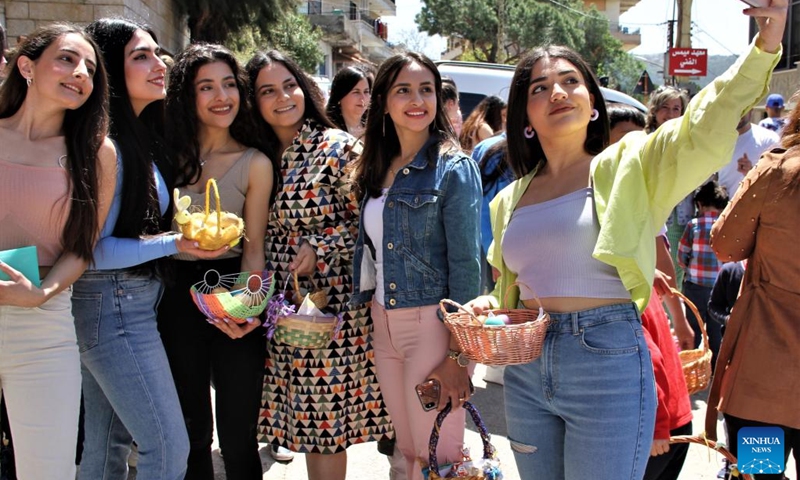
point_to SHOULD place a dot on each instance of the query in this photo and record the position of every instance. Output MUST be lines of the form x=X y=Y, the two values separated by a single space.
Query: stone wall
x=23 y=16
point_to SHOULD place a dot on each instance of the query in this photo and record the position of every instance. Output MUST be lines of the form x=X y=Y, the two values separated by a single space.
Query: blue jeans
x=128 y=390
x=586 y=408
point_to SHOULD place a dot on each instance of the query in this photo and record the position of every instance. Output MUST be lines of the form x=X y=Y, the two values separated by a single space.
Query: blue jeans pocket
x=87 y=310
x=615 y=337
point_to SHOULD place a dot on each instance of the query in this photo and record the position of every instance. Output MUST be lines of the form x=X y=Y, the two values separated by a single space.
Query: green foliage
x=293 y=34
x=526 y=25
x=215 y=20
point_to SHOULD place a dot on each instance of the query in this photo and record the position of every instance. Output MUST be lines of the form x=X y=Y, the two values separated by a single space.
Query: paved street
x=365 y=463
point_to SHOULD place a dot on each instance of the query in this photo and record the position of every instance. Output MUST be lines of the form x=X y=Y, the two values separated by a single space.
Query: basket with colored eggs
x=211 y=229
x=501 y=337
x=235 y=296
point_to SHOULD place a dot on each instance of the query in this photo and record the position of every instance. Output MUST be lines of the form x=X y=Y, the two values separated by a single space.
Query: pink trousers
x=409 y=343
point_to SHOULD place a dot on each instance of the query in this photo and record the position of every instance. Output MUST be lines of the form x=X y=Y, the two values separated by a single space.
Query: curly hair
x=85 y=130
x=314 y=106
x=182 y=131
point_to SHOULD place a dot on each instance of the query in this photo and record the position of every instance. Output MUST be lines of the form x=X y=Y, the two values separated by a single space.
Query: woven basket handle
x=488 y=449
x=694 y=310
x=522 y=284
x=447 y=301
x=209 y=184
x=702 y=440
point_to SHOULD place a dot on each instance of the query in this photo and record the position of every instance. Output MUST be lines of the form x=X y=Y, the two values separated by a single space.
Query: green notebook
x=23 y=259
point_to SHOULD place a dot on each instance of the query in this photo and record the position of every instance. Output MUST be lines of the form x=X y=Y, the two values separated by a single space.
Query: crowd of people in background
x=386 y=201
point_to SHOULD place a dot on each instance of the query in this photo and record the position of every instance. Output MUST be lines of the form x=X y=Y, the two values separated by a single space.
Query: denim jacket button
x=390 y=246
x=392 y=302
x=391 y=204
x=405 y=171
x=392 y=286
x=416 y=200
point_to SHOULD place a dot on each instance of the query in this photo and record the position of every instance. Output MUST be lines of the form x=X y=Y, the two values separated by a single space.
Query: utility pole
x=684 y=24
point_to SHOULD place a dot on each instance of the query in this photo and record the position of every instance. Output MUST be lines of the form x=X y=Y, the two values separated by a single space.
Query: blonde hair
x=657 y=100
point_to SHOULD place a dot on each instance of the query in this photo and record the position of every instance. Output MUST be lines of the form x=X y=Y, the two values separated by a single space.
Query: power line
x=699 y=29
x=567 y=7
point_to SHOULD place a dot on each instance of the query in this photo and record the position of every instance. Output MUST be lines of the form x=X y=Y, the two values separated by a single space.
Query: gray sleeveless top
x=232 y=187
x=549 y=246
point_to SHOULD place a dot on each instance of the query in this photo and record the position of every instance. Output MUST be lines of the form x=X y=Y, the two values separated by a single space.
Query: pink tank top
x=34 y=206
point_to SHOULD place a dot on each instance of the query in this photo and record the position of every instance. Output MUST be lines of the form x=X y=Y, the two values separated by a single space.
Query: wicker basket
x=235 y=296
x=488 y=466
x=696 y=363
x=211 y=229
x=516 y=343
x=714 y=446
x=306 y=331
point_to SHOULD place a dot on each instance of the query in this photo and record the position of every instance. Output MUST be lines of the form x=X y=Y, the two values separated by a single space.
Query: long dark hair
x=489 y=111
x=526 y=154
x=182 y=130
x=85 y=130
x=343 y=83
x=314 y=106
x=139 y=139
x=380 y=148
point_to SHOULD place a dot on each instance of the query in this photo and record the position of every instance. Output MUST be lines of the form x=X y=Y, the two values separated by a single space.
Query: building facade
x=20 y=17
x=353 y=31
x=612 y=9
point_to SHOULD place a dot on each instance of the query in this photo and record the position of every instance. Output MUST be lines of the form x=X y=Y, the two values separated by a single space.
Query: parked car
x=478 y=80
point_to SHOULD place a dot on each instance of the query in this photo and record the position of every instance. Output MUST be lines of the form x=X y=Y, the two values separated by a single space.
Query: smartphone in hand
x=757 y=3
x=428 y=393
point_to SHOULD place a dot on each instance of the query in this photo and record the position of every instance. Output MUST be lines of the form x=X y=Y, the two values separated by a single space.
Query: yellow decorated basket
x=211 y=229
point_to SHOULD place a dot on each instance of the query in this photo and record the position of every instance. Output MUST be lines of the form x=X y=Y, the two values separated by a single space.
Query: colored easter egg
x=494 y=321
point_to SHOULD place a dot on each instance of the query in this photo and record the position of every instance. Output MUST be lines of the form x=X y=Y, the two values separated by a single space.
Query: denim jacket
x=431 y=234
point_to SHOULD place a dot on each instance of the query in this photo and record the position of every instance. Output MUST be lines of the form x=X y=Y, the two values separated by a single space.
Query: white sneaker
x=281 y=454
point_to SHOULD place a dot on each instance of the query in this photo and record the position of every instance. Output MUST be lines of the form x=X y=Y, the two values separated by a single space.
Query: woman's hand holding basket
x=192 y=247
x=233 y=329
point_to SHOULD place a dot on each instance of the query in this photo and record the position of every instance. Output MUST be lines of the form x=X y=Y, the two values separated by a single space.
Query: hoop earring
x=529 y=132
x=29 y=81
x=595 y=115
x=384 y=125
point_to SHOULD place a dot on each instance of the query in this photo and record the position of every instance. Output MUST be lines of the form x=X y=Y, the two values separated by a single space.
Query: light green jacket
x=638 y=180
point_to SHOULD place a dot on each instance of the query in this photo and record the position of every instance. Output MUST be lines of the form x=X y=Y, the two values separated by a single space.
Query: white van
x=476 y=80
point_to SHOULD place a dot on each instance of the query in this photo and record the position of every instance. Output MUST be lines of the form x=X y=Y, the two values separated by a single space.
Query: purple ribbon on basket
x=338 y=327
x=276 y=307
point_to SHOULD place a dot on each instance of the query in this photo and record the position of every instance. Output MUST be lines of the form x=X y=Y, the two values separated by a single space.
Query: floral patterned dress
x=321 y=400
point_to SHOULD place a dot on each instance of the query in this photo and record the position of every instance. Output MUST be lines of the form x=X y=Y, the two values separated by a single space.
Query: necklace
x=211 y=152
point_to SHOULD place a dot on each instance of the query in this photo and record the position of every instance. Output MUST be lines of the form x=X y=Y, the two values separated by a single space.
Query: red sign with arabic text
x=688 y=62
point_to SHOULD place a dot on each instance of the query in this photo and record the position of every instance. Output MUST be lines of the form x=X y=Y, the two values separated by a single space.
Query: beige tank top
x=232 y=191
x=34 y=207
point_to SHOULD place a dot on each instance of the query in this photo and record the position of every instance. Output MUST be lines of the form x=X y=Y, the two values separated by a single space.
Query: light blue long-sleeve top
x=114 y=252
